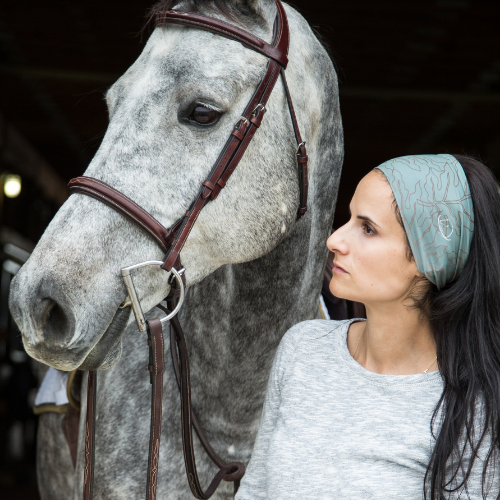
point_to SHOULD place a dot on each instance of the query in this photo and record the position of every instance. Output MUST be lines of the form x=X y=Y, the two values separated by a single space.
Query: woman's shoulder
x=311 y=342
x=307 y=335
x=315 y=329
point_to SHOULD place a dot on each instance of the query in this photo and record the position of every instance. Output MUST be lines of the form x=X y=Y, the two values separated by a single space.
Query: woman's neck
x=395 y=340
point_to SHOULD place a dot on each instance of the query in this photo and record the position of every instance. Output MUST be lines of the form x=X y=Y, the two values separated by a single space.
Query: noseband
x=172 y=241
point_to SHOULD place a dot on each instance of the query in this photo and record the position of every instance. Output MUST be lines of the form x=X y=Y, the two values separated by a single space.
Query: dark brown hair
x=465 y=320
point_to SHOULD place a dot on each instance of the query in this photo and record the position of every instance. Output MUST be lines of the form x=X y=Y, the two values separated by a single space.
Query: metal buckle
x=259 y=107
x=132 y=294
x=241 y=119
x=298 y=147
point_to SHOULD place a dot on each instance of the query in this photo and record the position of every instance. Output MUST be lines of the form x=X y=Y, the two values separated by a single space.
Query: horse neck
x=243 y=310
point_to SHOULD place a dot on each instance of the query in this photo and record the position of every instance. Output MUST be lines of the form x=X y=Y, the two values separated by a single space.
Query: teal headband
x=434 y=199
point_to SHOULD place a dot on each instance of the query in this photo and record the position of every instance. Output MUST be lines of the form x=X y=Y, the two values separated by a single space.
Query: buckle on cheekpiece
x=241 y=119
x=260 y=107
x=299 y=146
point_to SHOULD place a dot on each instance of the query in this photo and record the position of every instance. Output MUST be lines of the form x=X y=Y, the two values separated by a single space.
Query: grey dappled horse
x=252 y=270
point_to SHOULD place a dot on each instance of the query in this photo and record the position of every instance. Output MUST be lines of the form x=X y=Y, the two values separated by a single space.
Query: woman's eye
x=368 y=229
x=203 y=115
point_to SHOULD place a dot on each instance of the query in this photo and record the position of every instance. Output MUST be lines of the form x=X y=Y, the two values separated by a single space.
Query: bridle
x=172 y=240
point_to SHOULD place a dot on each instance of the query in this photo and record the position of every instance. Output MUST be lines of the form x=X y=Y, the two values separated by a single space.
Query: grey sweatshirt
x=331 y=429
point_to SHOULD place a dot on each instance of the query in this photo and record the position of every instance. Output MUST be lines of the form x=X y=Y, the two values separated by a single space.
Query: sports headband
x=434 y=199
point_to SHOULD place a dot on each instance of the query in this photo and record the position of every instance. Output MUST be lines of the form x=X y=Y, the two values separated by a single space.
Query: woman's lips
x=339 y=270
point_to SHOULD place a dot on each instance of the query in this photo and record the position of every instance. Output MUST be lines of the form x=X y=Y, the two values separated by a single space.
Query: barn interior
x=414 y=77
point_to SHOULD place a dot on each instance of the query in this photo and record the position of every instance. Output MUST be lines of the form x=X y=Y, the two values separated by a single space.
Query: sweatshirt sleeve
x=254 y=483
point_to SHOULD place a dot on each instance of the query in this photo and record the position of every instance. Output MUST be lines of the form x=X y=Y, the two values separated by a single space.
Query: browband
x=278 y=53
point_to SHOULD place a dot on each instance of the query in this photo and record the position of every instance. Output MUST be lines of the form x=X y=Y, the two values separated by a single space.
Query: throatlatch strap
x=88 y=478
x=302 y=158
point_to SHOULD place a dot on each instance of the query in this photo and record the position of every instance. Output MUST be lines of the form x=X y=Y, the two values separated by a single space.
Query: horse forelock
x=239 y=11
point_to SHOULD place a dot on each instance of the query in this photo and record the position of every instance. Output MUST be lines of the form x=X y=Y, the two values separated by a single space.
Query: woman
x=405 y=404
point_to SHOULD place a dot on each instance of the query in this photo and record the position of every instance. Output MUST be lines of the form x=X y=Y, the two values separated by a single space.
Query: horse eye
x=203 y=115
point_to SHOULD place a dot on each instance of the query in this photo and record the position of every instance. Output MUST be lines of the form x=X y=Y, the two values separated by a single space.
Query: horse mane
x=234 y=10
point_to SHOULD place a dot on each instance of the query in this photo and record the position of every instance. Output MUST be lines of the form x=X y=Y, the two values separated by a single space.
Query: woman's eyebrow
x=364 y=217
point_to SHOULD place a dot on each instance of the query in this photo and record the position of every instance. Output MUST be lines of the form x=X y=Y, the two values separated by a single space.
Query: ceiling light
x=12 y=185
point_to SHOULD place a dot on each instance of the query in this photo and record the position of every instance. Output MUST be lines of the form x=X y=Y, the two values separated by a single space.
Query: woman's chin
x=338 y=291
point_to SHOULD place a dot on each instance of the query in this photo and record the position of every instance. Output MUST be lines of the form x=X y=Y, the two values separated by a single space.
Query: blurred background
x=415 y=77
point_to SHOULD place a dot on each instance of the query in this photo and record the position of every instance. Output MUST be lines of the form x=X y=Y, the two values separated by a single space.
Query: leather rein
x=172 y=240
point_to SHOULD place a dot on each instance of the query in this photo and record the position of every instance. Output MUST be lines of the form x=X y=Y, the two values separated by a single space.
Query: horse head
x=170 y=115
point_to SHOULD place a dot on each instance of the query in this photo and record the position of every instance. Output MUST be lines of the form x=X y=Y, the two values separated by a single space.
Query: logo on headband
x=445 y=227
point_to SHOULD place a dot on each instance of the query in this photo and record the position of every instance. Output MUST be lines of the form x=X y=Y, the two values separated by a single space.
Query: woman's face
x=371 y=263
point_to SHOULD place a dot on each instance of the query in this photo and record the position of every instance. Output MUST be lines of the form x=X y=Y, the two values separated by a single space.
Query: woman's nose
x=337 y=242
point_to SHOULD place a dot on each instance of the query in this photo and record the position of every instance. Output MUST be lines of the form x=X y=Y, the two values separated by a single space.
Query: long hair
x=465 y=320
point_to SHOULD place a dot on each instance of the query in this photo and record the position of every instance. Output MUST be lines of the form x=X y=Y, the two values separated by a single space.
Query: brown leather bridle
x=172 y=240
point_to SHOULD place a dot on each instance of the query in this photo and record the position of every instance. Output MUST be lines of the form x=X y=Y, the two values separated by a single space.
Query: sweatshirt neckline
x=417 y=379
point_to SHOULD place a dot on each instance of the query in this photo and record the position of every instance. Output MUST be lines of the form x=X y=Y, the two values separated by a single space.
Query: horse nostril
x=55 y=322
x=57 y=317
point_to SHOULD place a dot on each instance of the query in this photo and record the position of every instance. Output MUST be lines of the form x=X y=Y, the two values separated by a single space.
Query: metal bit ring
x=134 y=300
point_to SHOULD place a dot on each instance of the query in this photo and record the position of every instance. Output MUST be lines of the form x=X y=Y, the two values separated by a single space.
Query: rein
x=172 y=240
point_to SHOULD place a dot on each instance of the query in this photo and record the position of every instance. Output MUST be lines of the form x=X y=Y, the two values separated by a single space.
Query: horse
x=252 y=269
